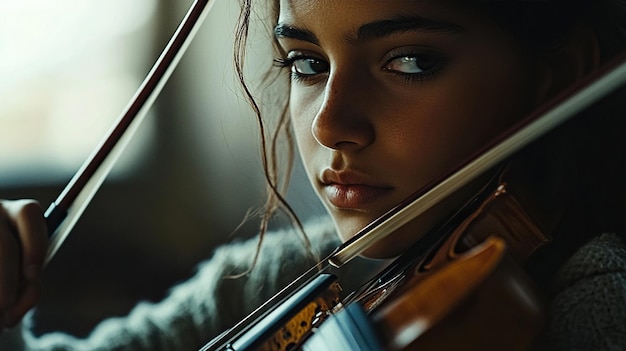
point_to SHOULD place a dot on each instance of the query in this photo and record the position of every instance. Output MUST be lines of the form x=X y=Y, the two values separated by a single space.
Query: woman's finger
x=23 y=245
x=27 y=218
x=9 y=260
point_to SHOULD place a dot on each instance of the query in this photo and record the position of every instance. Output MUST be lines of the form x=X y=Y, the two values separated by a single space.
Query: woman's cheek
x=303 y=108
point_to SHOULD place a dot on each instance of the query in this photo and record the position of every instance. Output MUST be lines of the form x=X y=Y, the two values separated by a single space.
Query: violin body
x=468 y=290
x=482 y=300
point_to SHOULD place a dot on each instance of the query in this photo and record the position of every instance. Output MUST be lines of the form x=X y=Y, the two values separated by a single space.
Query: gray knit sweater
x=588 y=311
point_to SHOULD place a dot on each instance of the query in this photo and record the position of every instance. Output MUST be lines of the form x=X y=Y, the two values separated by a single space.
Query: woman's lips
x=353 y=196
x=348 y=189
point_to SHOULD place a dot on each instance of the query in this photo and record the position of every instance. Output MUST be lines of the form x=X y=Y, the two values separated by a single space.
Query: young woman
x=384 y=96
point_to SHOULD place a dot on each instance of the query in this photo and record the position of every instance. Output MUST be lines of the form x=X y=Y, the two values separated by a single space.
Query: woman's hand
x=23 y=245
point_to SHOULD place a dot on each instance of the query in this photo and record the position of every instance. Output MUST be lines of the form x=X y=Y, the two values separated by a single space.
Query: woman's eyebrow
x=401 y=24
x=282 y=30
x=374 y=30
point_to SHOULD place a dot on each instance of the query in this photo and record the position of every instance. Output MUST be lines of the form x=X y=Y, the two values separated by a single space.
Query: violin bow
x=64 y=212
x=564 y=106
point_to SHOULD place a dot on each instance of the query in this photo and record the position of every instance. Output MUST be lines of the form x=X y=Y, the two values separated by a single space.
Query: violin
x=404 y=308
x=445 y=285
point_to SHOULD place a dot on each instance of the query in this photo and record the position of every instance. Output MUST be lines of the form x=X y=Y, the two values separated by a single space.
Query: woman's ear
x=578 y=56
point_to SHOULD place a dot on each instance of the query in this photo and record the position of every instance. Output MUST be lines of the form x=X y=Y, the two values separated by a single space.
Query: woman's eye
x=303 y=67
x=308 y=66
x=413 y=64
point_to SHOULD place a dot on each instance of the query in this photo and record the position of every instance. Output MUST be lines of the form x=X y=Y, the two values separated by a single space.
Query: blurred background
x=68 y=68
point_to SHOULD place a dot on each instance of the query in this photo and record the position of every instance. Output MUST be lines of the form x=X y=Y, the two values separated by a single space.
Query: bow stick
x=64 y=212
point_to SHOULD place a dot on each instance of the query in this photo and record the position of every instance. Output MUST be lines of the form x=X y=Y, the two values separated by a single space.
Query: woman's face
x=387 y=95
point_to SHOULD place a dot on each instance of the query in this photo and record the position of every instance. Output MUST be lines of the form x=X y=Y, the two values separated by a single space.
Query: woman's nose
x=343 y=122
